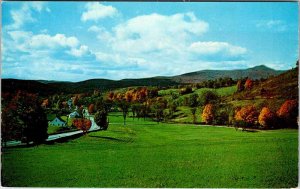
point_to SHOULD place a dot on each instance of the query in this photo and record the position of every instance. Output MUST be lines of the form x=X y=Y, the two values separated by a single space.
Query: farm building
x=57 y=121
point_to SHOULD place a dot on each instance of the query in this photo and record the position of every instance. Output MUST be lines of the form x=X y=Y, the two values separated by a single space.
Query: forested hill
x=256 y=72
x=44 y=87
x=283 y=86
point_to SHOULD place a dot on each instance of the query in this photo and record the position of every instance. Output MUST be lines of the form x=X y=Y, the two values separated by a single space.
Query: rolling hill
x=256 y=72
x=44 y=87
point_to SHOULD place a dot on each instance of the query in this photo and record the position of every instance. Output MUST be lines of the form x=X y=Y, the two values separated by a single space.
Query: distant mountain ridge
x=45 y=87
x=256 y=72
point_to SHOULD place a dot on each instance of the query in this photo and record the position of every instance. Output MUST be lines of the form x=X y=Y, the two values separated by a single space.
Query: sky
x=76 y=41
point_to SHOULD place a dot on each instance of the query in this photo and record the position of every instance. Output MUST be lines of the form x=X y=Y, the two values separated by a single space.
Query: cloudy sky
x=75 y=41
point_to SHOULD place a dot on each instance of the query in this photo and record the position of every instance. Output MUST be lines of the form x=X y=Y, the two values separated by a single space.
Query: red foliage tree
x=267 y=118
x=248 y=84
x=288 y=112
x=82 y=124
x=208 y=114
x=23 y=118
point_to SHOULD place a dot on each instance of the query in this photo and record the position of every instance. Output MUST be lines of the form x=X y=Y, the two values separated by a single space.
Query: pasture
x=147 y=154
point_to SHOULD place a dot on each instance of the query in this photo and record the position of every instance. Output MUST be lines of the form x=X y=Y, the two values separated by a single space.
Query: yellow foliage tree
x=208 y=114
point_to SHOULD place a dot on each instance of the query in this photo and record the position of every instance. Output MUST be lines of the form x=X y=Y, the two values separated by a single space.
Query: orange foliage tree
x=248 y=84
x=45 y=103
x=267 y=118
x=208 y=114
x=288 y=112
x=129 y=96
x=82 y=124
x=247 y=114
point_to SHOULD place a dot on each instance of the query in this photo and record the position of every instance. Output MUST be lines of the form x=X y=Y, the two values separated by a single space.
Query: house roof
x=59 y=118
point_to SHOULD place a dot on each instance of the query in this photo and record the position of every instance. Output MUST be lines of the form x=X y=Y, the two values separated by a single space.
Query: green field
x=147 y=154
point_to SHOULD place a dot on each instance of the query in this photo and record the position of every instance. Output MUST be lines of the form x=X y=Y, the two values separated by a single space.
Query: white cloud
x=211 y=47
x=157 y=32
x=47 y=41
x=83 y=49
x=97 y=11
x=27 y=42
x=24 y=14
x=95 y=29
x=275 y=25
x=151 y=43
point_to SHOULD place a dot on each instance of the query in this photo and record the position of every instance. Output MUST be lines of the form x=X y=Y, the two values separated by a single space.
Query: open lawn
x=147 y=154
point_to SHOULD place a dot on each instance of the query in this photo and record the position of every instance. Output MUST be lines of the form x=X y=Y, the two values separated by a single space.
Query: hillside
x=284 y=86
x=256 y=72
x=45 y=87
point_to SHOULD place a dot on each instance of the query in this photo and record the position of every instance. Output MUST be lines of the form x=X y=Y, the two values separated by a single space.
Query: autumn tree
x=91 y=108
x=267 y=118
x=82 y=124
x=248 y=84
x=129 y=96
x=29 y=119
x=110 y=96
x=247 y=115
x=288 y=113
x=208 y=114
x=75 y=100
x=45 y=103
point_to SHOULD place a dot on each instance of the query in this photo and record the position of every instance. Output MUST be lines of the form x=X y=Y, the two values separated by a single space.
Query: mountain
x=45 y=87
x=256 y=72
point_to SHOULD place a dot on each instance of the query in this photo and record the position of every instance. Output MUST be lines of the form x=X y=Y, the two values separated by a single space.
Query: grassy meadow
x=147 y=154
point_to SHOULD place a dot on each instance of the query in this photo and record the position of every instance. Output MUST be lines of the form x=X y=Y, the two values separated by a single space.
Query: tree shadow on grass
x=109 y=138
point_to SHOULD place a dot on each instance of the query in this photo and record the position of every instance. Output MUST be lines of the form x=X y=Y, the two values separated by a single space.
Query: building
x=74 y=114
x=57 y=121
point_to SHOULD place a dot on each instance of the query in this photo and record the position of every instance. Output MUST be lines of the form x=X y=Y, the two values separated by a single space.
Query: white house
x=58 y=122
x=74 y=114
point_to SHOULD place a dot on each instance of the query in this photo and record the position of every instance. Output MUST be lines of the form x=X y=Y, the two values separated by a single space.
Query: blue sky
x=75 y=41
